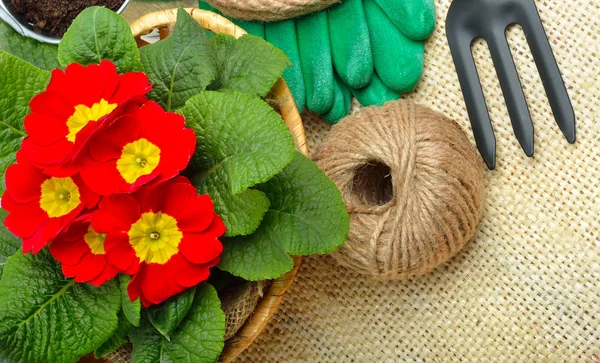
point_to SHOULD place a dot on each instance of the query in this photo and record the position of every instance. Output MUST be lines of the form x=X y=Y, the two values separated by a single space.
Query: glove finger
x=315 y=59
x=256 y=28
x=414 y=18
x=341 y=103
x=375 y=94
x=282 y=34
x=398 y=59
x=350 y=43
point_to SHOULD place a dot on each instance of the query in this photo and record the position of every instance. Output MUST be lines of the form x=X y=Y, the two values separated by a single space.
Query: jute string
x=412 y=183
x=269 y=10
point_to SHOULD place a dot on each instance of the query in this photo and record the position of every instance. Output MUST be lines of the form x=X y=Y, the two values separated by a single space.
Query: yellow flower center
x=95 y=241
x=60 y=196
x=84 y=114
x=138 y=158
x=155 y=237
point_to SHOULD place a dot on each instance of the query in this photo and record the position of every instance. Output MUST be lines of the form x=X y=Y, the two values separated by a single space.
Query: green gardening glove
x=371 y=49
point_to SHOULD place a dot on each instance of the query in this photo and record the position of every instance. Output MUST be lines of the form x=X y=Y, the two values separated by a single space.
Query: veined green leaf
x=9 y=243
x=307 y=216
x=199 y=338
x=118 y=339
x=167 y=316
x=181 y=65
x=45 y=317
x=131 y=310
x=241 y=141
x=97 y=34
x=249 y=64
x=41 y=55
x=19 y=82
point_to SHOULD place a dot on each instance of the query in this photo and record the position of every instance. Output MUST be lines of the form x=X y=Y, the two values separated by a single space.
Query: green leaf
x=199 y=338
x=248 y=64
x=19 y=82
x=97 y=34
x=307 y=216
x=117 y=340
x=167 y=316
x=9 y=243
x=241 y=141
x=41 y=55
x=45 y=317
x=181 y=65
x=130 y=309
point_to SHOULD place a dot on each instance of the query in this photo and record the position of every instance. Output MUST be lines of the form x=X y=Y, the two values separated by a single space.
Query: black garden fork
x=488 y=19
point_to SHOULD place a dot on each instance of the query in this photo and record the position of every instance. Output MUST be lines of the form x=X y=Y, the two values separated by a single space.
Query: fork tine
x=549 y=71
x=474 y=99
x=512 y=90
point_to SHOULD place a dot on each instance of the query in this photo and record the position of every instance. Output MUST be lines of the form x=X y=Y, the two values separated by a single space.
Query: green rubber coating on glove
x=315 y=57
x=375 y=94
x=283 y=35
x=414 y=18
x=350 y=43
x=256 y=28
x=398 y=59
x=341 y=104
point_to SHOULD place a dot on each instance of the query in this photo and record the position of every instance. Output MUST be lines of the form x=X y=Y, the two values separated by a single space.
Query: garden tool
x=489 y=19
x=372 y=49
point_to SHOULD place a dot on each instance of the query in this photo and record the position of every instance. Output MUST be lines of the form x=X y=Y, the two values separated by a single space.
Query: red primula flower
x=40 y=206
x=81 y=252
x=146 y=144
x=77 y=103
x=166 y=235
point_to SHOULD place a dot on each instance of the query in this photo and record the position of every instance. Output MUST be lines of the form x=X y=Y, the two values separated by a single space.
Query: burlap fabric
x=526 y=289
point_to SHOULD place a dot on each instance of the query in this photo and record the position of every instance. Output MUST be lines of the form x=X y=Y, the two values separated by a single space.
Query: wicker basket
x=282 y=97
x=270 y=10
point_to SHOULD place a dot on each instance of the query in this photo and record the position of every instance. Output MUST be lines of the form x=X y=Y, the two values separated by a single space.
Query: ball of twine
x=412 y=183
x=269 y=10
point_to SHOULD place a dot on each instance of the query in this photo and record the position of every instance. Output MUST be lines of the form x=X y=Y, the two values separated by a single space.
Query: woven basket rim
x=271 y=300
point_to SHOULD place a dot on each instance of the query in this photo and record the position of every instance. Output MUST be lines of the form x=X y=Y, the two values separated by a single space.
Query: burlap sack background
x=527 y=288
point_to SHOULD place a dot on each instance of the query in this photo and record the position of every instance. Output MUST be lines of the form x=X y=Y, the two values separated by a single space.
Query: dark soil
x=54 y=16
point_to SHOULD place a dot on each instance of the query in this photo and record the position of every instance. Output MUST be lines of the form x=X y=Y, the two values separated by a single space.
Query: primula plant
x=131 y=175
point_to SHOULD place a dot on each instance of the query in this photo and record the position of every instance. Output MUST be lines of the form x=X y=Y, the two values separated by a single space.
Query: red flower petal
x=23 y=183
x=191 y=275
x=69 y=247
x=102 y=178
x=117 y=212
x=47 y=154
x=134 y=289
x=108 y=145
x=157 y=283
x=120 y=253
x=80 y=85
x=52 y=104
x=197 y=215
x=111 y=79
x=25 y=221
x=199 y=248
x=68 y=253
x=108 y=273
x=90 y=267
x=177 y=197
x=131 y=84
x=8 y=204
x=88 y=197
x=45 y=130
